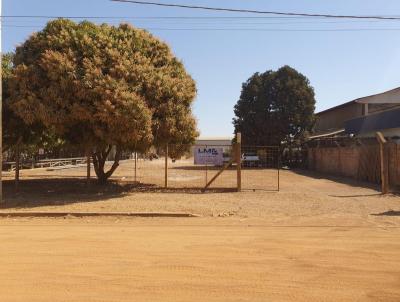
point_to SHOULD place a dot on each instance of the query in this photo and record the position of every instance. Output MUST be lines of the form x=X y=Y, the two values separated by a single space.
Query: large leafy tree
x=100 y=86
x=16 y=133
x=9 y=134
x=275 y=107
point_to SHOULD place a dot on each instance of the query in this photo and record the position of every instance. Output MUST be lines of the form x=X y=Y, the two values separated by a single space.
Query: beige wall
x=335 y=161
x=358 y=162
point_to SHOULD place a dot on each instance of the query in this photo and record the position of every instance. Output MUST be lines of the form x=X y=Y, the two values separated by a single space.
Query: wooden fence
x=359 y=162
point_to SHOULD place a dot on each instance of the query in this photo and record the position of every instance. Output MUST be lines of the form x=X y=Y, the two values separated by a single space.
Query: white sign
x=208 y=156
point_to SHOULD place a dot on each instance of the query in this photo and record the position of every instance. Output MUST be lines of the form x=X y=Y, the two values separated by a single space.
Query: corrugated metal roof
x=336 y=107
x=388 y=97
x=374 y=122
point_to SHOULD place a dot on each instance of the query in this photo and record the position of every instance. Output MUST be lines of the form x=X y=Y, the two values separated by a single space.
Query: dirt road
x=198 y=259
x=316 y=240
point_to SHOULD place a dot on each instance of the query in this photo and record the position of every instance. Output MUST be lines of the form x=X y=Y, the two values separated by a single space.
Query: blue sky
x=341 y=65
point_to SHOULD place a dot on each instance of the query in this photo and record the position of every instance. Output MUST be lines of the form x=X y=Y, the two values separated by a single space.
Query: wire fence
x=259 y=168
x=187 y=171
x=182 y=167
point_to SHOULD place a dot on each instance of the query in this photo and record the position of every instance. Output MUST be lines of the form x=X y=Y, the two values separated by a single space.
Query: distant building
x=362 y=117
x=213 y=142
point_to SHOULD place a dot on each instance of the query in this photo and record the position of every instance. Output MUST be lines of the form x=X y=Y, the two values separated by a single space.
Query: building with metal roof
x=362 y=117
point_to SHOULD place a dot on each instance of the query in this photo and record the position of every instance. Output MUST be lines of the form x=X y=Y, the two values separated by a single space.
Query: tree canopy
x=15 y=130
x=9 y=137
x=274 y=107
x=100 y=86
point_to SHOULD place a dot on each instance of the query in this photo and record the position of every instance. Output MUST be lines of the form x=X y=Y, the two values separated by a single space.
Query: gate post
x=239 y=160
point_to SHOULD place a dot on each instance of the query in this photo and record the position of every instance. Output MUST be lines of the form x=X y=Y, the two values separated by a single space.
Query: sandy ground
x=206 y=259
x=304 y=198
x=317 y=239
x=181 y=174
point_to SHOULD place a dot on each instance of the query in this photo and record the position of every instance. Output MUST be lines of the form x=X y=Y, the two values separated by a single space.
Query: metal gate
x=183 y=172
x=260 y=168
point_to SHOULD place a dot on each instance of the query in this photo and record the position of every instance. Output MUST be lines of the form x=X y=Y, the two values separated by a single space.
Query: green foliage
x=275 y=107
x=100 y=85
x=15 y=130
x=8 y=119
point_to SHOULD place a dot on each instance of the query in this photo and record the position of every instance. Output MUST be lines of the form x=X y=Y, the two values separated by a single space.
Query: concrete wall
x=358 y=162
x=342 y=161
x=394 y=165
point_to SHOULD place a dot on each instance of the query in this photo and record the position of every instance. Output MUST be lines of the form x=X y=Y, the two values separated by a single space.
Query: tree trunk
x=99 y=160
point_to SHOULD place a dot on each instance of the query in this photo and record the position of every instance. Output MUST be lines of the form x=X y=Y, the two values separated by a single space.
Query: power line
x=274 y=29
x=143 y=17
x=257 y=11
x=217 y=21
x=218 y=18
x=241 y=29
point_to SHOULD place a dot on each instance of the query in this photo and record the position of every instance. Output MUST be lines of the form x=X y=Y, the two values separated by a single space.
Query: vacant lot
x=181 y=174
x=303 y=198
x=315 y=240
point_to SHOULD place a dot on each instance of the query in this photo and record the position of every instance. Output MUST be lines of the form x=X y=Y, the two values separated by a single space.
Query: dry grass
x=303 y=196
x=181 y=174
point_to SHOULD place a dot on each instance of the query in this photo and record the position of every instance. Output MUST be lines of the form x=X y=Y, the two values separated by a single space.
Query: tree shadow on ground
x=388 y=213
x=340 y=179
x=33 y=193
x=356 y=195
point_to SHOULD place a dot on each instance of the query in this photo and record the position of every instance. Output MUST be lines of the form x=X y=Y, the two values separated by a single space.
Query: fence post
x=166 y=167
x=384 y=162
x=17 y=165
x=88 y=160
x=239 y=160
x=279 y=168
x=135 y=166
